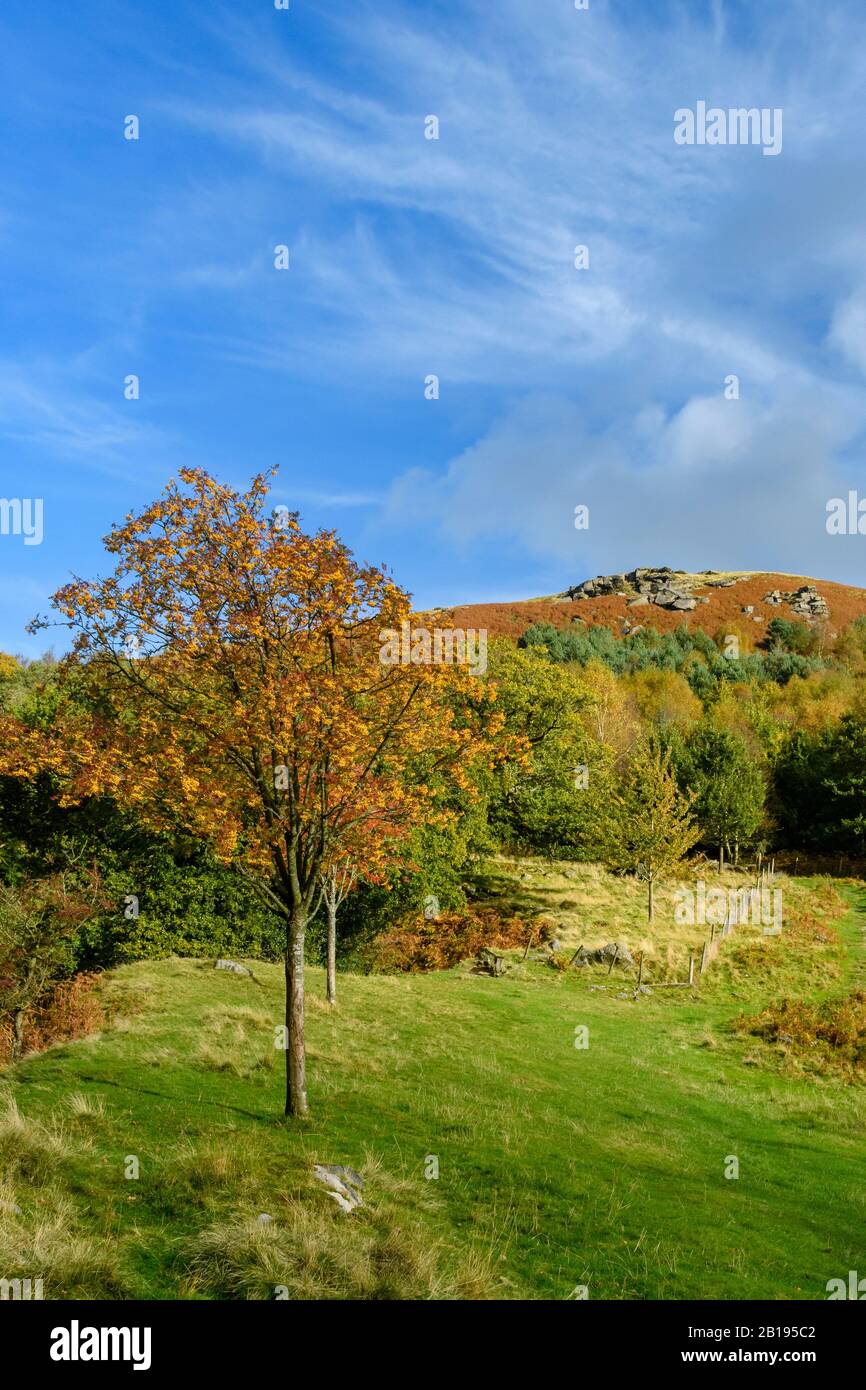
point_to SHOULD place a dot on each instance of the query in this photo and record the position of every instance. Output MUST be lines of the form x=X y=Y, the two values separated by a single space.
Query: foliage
x=820 y=786
x=545 y=797
x=70 y=1009
x=427 y=944
x=235 y=664
x=38 y=922
x=650 y=826
x=692 y=652
x=729 y=790
x=830 y=1033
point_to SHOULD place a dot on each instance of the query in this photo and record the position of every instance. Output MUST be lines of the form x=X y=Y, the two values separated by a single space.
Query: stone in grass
x=604 y=955
x=343 y=1184
x=264 y=1218
x=12 y=1207
x=233 y=966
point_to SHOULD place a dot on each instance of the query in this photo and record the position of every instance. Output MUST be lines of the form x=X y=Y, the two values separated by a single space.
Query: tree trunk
x=721 y=856
x=296 y=1078
x=736 y=852
x=17 y=1034
x=649 y=901
x=332 y=953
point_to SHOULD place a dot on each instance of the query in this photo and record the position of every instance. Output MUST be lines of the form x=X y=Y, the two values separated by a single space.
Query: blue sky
x=453 y=257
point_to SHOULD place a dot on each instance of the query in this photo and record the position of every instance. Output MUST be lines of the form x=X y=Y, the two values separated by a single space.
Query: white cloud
x=719 y=483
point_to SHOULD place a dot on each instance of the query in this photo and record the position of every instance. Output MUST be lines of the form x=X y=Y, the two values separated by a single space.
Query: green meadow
x=559 y=1166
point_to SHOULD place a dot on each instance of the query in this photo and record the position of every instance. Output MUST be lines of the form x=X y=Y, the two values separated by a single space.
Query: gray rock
x=233 y=966
x=684 y=605
x=343 y=1184
x=640 y=602
x=490 y=962
x=603 y=955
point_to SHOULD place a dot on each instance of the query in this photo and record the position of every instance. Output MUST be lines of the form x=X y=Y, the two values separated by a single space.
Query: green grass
x=558 y=1166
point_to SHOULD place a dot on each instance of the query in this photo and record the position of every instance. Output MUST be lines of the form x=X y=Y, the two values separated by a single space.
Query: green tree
x=544 y=797
x=729 y=787
x=820 y=787
x=649 y=827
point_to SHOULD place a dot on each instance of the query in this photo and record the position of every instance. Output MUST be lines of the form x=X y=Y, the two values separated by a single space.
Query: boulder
x=603 y=955
x=343 y=1184
x=233 y=966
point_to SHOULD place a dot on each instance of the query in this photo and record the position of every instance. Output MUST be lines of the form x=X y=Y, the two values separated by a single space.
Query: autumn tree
x=238 y=689
x=650 y=828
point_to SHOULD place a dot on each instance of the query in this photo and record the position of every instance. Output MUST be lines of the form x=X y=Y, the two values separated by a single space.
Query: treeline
x=793 y=648
x=764 y=765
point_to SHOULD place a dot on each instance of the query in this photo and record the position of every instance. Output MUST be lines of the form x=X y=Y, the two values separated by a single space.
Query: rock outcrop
x=664 y=587
x=806 y=602
x=605 y=955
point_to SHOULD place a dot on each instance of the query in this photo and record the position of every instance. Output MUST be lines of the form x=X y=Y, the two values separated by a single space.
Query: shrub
x=832 y=1032
x=418 y=944
x=72 y=1009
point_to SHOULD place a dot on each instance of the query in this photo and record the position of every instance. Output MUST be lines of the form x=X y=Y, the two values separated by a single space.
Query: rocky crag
x=664 y=587
x=806 y=602
x=676 y=590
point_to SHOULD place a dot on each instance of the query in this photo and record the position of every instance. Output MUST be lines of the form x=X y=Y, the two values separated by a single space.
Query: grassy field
x=558 y=1166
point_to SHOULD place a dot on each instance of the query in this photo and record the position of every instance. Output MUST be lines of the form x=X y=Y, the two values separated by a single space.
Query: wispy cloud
x=42 y=407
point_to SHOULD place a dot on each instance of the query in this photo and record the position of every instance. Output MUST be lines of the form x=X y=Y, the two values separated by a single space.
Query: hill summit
x=663 y=597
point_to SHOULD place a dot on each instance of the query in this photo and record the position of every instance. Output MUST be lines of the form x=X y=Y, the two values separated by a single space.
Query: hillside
x=557 y=1167
x=723 y=607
